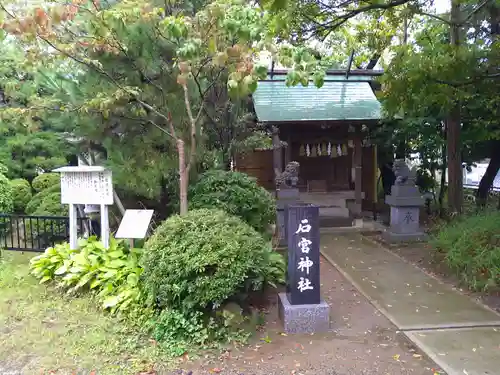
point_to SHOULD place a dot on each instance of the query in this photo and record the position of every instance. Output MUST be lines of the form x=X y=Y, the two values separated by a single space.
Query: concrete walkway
x=452 y=329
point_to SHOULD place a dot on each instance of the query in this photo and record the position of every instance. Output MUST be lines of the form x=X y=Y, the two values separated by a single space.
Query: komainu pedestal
x=405 y=202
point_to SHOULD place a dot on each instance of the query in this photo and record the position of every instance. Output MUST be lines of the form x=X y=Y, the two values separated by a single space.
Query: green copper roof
x=335 y=101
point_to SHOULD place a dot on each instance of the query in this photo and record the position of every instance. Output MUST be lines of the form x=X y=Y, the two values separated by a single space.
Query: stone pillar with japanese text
x=405 y=201
x=301 y=308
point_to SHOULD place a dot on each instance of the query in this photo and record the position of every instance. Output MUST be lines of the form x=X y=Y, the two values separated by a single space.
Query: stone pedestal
x=405 y=202
x=304 y=318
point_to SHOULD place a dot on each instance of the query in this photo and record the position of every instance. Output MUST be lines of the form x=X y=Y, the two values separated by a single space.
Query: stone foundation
x=304 y=318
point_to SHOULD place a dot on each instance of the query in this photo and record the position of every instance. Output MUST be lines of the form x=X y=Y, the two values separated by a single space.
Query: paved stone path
x=459 y=334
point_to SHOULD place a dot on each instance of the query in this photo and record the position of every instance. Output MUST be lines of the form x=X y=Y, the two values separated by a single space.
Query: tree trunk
x=442 y=183
x=183 y=178
x=455 y=183
x=489 y=176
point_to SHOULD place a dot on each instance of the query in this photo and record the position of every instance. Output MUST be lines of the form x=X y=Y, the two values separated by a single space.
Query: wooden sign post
x=86 y=185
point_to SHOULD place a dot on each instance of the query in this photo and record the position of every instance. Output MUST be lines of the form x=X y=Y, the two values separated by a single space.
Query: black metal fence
x=34 y=233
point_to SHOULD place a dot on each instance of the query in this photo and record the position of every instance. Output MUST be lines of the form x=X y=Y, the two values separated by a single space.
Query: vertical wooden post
x=73 y=227
x=288 y=150
x=358 y=160
x=104 y=226
x=277 y=164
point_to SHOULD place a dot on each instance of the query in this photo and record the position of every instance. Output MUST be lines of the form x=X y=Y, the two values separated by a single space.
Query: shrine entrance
x=326 y=131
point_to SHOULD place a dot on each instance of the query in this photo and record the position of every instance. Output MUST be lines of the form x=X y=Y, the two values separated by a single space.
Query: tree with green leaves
x=146 y=67
x=28 y=145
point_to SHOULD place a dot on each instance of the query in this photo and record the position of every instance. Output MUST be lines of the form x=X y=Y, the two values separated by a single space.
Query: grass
x=471 y=247
x=45 y=332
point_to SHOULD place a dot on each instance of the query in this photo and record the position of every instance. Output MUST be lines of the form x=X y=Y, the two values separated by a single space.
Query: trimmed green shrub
x=6 y=195
x=37 y=199
x=471 y=247
x=51 y=206
x=200 y=260
x=21 y=194
x=45 y=181
x=236 y=193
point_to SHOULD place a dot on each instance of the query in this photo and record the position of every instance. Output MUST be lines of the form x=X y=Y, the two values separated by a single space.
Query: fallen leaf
x=283 y=334
x=396 y=357
x=417 y=355
x=216 y=370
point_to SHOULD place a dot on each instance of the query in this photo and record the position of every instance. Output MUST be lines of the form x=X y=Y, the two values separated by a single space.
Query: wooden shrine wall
x=258 y=164
x=334 y=169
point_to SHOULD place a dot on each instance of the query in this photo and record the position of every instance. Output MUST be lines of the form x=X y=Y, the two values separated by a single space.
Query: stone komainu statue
x=289 y=178
x=404 y=175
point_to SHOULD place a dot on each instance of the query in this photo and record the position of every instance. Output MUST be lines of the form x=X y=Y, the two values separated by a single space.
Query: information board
x=135 y=224
x=86 y=185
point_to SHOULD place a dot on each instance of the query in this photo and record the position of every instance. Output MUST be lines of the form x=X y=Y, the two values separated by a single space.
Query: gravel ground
x=362 y=342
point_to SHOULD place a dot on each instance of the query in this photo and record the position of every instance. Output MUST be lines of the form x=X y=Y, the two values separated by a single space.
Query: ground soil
x=422 y=256
x=362 y=342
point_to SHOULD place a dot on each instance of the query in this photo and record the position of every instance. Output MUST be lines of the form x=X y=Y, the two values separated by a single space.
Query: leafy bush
x=236 y=193
x=45 y=181
x=21 y=194
x=471 y=246
x=113 y=273
x=199 y=260
x=35 y=202
x=6 y=195
x=425 y=181
x=51 y=206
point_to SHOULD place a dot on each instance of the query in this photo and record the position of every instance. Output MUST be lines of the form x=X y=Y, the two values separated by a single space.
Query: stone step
x=334 y=211
x=335 y=222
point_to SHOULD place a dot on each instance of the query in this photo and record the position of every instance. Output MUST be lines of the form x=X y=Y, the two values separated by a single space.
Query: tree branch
x=435 y=16
x=471 y=14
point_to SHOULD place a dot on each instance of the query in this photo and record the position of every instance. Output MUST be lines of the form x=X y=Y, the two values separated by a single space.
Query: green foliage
x=471 y=246
x=45 y=181
x=113 y=274
x=199 y=260
x=236 y=193
x=425 y=181
x=6 y=195
x=38 y=199
x=21 y=193
x=44 y=266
